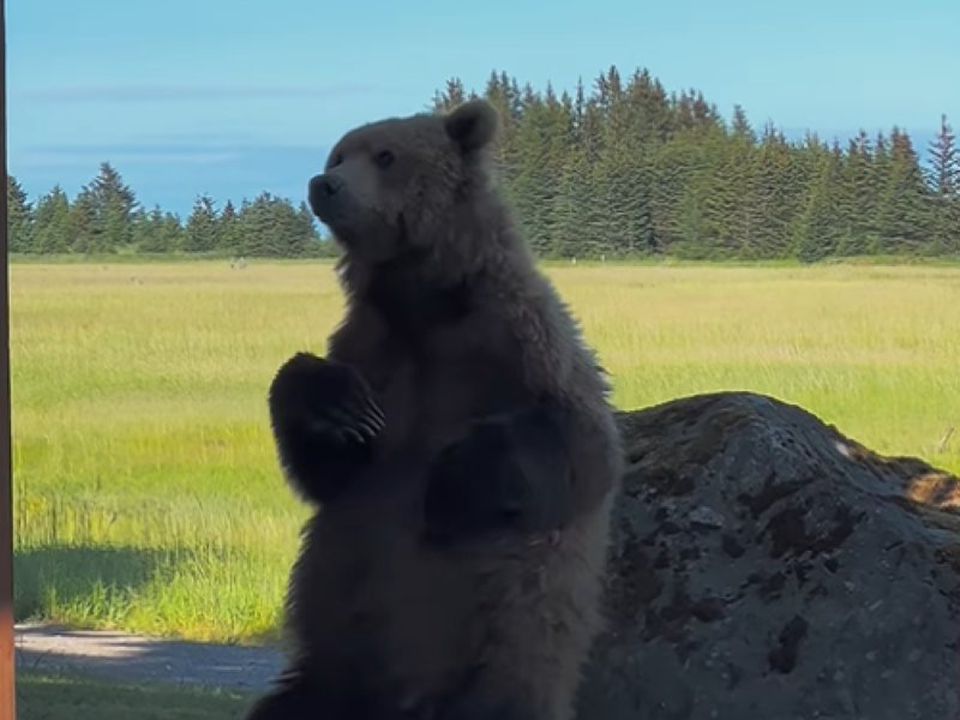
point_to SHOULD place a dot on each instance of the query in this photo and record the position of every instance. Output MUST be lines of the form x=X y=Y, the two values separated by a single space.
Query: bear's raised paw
x=326 y=400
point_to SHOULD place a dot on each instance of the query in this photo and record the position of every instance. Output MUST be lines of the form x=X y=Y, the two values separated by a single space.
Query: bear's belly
x=368 y=592
x=379 y=611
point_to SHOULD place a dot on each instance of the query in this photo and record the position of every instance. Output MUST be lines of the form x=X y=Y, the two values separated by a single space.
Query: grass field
x=147 y=492
x=41 y=697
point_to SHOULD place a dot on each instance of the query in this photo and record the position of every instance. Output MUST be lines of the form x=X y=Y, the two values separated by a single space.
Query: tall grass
x=147 y=494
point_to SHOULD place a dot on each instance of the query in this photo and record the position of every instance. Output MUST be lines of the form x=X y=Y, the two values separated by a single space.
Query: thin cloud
x=167 y=93
x=134 y=148
x=40 y=160
x=151 y=154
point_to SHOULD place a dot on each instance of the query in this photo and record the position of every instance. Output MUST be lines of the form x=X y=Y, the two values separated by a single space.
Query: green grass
x=148 y=496
x=41 y=697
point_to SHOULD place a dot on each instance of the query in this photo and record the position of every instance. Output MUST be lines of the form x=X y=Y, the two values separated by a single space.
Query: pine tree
x=748 y=237
x=173 y=234
x=945 y=185
x=691 y=231
x=529 y=191
x=20 y=225
x=504 y=95
x=858 y=197
x=272 y=227
x=904 y=217
x=676 y=201
x=114 y=206
x=945 y=161
x=595 y=186
x=86 y=229
x=254 y=226
x=705 y=115
x=649 y=109
x=569 y=206
x=155 y=233
x=308 y=229
x=228 y=229
x=146 y=230
x=819 y=227
x=623 y=167
x=452 y=96
x=736 y=189
x=742 y=131
x=294 y=233
x=53 y=227
x=773 y=203
x=201 y=233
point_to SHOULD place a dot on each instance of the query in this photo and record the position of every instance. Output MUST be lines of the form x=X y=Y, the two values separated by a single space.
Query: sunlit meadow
x=148 y=495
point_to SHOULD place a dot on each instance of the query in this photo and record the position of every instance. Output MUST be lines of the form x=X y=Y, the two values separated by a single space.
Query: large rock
x=766 y=567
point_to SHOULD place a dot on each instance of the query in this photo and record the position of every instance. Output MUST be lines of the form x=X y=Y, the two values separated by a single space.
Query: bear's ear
x=472 y=125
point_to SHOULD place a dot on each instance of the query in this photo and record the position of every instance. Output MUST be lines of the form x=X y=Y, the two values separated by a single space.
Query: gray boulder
x=766 y=567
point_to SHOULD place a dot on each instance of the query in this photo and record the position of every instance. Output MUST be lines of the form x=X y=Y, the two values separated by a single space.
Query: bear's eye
x=337 y=160
x=384 y=159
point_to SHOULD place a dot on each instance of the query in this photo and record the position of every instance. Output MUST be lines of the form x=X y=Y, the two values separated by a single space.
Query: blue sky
x=230 y=98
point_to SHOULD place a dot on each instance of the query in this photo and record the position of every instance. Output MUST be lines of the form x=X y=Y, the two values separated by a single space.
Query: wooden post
x=7 y=694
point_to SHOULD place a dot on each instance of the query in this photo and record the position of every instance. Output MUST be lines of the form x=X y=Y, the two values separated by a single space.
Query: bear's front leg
x=286 y=703
x=509 y=472
x=325 y=419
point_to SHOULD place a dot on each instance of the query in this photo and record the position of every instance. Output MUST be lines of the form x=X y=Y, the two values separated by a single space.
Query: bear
x=458 y=445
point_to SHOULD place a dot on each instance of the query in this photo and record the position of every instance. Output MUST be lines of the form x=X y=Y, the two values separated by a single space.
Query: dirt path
x=113 y=656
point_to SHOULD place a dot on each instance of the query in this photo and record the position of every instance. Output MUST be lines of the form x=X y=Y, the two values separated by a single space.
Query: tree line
x=622 y=169
x=626 y=169
x=105 y=217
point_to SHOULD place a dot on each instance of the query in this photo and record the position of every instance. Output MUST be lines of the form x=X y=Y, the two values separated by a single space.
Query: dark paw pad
x=326 y=401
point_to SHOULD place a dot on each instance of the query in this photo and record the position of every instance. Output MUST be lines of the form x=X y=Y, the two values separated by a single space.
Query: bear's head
x=401 y=186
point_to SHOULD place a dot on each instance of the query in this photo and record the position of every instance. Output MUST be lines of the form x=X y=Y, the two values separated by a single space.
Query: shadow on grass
x=96 y=579
x=89 y=587
x=95 y=582
x=48 y=697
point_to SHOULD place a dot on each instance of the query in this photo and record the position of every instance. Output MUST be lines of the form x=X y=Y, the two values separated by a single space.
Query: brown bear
x=458 y=442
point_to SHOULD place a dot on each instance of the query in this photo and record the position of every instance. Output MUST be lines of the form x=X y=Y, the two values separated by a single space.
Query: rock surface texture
x=765 y=567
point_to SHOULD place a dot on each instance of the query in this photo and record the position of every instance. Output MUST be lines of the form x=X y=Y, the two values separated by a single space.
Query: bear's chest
x=435 y=391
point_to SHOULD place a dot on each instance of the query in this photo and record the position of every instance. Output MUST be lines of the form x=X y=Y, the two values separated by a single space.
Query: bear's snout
x=321 y=189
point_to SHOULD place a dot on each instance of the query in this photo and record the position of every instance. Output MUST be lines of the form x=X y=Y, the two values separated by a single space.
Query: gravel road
x=124 y=658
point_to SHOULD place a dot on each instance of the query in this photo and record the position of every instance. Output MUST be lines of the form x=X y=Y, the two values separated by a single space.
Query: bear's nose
x=324 y=186
x=321 y=189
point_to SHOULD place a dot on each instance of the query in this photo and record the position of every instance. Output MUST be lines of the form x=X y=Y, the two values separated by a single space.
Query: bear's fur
x=459 y=444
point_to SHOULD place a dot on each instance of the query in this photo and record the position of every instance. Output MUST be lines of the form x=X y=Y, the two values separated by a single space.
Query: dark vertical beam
x=7 y=695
